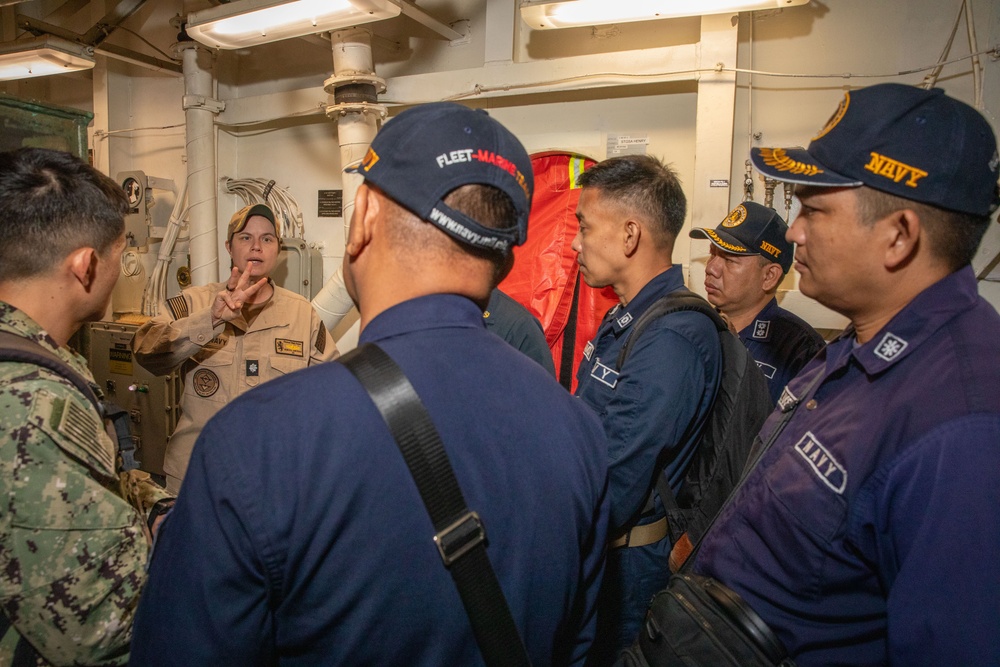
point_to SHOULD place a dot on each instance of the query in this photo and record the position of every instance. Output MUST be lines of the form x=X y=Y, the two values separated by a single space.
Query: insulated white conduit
x=155 y=294
x=199 y=115
x=352 y=54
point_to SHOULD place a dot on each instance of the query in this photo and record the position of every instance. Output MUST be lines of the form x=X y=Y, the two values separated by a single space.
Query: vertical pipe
x=352 y=54
x=199 y=115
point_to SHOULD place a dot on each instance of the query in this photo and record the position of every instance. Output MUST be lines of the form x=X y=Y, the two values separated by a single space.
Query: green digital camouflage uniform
x=72 y=550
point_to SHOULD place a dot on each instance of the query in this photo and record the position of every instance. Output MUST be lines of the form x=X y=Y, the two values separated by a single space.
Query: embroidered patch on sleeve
x=178 y=307
x=321 y=338
x=78 y=430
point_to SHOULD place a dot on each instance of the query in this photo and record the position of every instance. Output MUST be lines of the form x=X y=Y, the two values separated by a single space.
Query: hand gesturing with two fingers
x=239 y=290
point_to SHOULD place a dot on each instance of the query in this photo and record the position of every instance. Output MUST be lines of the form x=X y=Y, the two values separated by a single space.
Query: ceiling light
x=42 y=57
x=248 y=22
x=545 y=14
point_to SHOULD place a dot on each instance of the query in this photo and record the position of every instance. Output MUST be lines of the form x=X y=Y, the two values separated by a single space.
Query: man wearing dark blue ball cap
x=868 y=534
x=302 y=537
x=749 y=257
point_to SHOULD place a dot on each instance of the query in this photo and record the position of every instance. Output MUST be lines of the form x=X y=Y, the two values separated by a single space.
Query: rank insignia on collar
x=761 y=329
x=624 y=320
x=588 y=350
x=890 y=347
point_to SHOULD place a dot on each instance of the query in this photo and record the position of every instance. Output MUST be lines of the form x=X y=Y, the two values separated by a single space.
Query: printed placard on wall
x=627 y=144
x=330 y=204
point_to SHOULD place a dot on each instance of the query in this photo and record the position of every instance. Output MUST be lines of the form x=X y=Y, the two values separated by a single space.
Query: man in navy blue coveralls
x=300 y=537
x=750 y=256
x=868 y=534
x=630 y=212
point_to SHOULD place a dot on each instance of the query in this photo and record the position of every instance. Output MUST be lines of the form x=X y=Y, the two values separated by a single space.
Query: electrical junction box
x=299 y=268
x=152 y=401
x=136 y=187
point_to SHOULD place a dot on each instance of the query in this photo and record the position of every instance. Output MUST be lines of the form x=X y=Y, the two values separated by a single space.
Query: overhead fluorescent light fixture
x=245 y=23
x=547 y=14
x=42 y=57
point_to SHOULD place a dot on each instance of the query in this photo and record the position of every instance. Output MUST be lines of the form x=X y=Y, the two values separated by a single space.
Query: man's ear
x=901 y=234
x=631 y=233
x=771 y=275
x=82 y=265
x=367 y=206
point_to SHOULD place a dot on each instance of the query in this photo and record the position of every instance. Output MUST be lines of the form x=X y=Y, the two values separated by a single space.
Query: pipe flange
x=354 y=78
x=178 y=48
x=333 y=111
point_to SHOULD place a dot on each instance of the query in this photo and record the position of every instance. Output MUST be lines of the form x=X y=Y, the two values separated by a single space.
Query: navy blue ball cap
x=910 y=142
x=751 y=229
x=427 y=151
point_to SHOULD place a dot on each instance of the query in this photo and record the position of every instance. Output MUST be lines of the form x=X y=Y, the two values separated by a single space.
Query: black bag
x=742 y=403
x=696 y=621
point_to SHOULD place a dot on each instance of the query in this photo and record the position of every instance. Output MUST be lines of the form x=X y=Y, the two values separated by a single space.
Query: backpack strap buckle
x=457 y=539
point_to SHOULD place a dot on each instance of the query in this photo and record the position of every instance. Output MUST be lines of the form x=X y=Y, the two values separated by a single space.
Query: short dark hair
x=52 y=203
x=492 y=208
x=645 y=185
x=489 y=206
x=954 y=236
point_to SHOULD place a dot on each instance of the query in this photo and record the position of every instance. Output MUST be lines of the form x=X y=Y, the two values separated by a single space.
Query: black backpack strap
x=23 y=350
x=670 y=303
x=461 y=537
x=760 y=447
x=569 y=339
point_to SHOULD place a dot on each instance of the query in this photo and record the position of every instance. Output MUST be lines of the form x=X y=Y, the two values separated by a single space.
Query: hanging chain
x=789 y=188
x=748 y=184
x=769 y=185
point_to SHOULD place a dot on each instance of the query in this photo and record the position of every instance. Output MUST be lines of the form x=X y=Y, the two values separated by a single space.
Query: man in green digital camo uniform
x=73 y=549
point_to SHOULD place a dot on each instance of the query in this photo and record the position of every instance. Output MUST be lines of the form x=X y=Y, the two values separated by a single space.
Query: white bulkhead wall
x=668 y=107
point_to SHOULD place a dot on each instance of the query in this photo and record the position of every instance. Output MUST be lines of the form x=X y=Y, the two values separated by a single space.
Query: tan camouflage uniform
x=220 y=363
x=72 y=550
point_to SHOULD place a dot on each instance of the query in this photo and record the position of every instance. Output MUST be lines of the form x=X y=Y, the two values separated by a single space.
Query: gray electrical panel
x=299 y=268
x=152 y=401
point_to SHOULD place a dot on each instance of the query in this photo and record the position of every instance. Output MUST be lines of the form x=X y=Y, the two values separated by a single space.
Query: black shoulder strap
x=671 y=303
x=23 y=350
x=569 y=338
x=757 y=452
x=460 y=537
x=20 y=349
